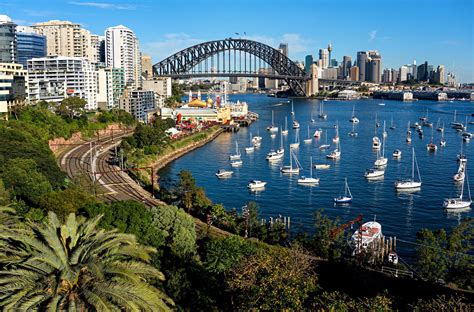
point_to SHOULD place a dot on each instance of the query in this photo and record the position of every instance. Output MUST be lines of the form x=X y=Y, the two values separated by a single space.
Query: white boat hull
x=322 y=166
x=456 y=204
x=382 y=161
x=407 y=185
x=304 y=180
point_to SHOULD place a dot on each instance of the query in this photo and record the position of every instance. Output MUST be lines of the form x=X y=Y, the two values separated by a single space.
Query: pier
x=394 y=95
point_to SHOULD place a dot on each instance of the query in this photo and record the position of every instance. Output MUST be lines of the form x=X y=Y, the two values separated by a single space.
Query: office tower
x=64 y=38
x=122 y=51
x=324 y=58
x=373 y=68
x=394 y=74
x=29 y=44
x=54 y=78
x=403 y=73
x=308 y=61
x=147 y=70
x=346 y=66
x=8 y=43
x=439 y=75
x=333 y=63
x=422 y=72
x=362 y=60
x=284 y=48
x=354 y=73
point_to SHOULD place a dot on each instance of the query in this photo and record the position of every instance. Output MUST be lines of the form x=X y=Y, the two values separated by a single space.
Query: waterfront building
x=122 y=51
x=348 y=95
x=64 y=38
x=161 y=87
x=308 y=61
x=354 y=73
x=29 y=44
x=403 y=73
x=323 y=58
x=220 y=115
x=110 y=87
x=13 y=86
x=53 y=78
x=346 y=66
x=362 y=60
x=8 y=42
x=138 y=103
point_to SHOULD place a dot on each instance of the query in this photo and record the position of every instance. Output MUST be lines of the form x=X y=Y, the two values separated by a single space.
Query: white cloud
x=103 y=5
x=372 y=35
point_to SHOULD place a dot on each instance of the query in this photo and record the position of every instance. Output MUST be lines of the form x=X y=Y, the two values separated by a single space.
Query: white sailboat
x=310 y=179
x=410 y=183
x=296 y=144
x=281 y=150
x=272 y=127
x=285 y=131
x=308 y=140
x=381 y=159
x=374 y=173
x=375 y=139
x=408 y=139
x=460 y=175
x=322 y=115
x=325 y=145
x=250 y=148
x=442 y=142
x=290 y=169
x=353 y=133
x=345 y=198
x=336 y=137
x=335 y=154
x=459 y=203
x=354 y=119
x=384 y=133
x=461 y=157
x=257 y=140
x=292 y=110
x=235 y=156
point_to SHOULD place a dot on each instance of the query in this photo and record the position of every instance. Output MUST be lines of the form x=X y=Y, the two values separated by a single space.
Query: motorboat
x=346 y=197
x=366 y=236
x=236 y=163
x=256 y=184
x=376 y=143
x=310 y=179
x=222 y=173
x=317 y=133
x=322 y=166
x=397 y=153
x=235 y=156
x=431 y=147
x=374 y=173
x=335 y=154
x=459 y=202
x=291 y=169
x=410 y=183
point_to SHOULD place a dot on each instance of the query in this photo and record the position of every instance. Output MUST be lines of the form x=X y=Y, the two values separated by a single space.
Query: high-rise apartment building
x=324 y=58
x=162 y=89
x=122 y=51
x=8 y=43
x=110 y=87
x=54 y=78
x=29 y=44
x=64 y=38
x=422 y=72
x=439 y=75
x=13 y=86
x=138 y=103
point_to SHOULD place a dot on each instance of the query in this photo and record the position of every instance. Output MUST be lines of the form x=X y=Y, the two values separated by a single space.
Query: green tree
x=76 y=267
x=64 y=202
x=71 y=106
x=323 y=243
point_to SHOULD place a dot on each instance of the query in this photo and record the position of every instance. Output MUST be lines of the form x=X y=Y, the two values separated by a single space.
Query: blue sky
x=439 y=31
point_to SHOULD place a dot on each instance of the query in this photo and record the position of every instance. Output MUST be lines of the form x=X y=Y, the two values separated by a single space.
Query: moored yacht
x=222 y=173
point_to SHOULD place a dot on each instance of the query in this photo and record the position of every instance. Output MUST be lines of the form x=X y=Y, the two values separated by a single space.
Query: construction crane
x=344 y=226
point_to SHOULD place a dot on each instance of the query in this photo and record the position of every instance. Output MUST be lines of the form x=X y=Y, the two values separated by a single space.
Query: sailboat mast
x=311 y=166
x=281 y=139
x=468 y=187
x=413 y=166
x=383 y=143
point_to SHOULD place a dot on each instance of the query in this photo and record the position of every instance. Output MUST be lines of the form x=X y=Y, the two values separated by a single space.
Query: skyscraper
x=284 y=48
x=329 y=53
x=422 y=72
x=122 y=51
x=8 y=43
x=308 y=60
x=373 y=70
x=439 y=76
x=346 y=66
x=29 y=44
x=362 y=64
x=324 y=58
x=403 y=73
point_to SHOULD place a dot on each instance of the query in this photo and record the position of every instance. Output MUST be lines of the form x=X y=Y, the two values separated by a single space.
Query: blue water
x=400 y=214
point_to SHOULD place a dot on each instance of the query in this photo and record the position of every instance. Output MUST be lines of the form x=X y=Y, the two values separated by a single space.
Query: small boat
x=325 y=145
x=459 y=203
x=354 y=119
x=410 y=183
x=290 y=169
x=353 y=133
x=381 y=159
x=427 y=123
x=322 y=115
x=251 y=147
x=397 y=153
x=224 y=173
x=256 y=184
x=272 y=127
x=296 y=124
x=296 y=144
x=317 y=133
x=374 y=173
x=256 y=139
x=381 y=104
x=235 y=156
x=322 y=166
x=336 y=137
x=442 y=142
x=460 y=175
x=310 y=179
x=292 y=110
x=431 y=147
x=377 y=124
x=285 y=132
x=336 y=153
x=376 y=143
x=345 y=198
x=438 y=126
x=392 y=257
x=308 y=140
x=273 y=155
x=408 y=139
x=366 y=236
x=236 y=163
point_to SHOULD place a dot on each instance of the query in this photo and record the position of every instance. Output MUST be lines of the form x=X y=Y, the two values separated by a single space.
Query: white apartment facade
x=56 y=77
x=110 y=87
x=13 y=85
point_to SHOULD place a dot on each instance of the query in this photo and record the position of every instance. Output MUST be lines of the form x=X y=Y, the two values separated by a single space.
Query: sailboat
x=336 y=154
x=310 y=179
x=281 y=150
x=317 y=133
x=408 y=139
x=325 y=145
x=353 y=133
x=285 y=132
x=250 y=148
x=460 y=175
x=384 y=133
x=296 y=144
x=336 y=137
x=458 y=203
x=354 y=119
x=392 y=126
x=410 y=183
x=377 y=124
x=276 y=155
x=374 y=173
x=292 y=110
x=290 y=169
x=296 y=124
x=456 y=124
x=235 y=156
x=308 y=140
x=312 y=119
x=431 y=147
x=345 y=198
x=461 y=156
x=442 y=142
x=257 y=140
x=438 y=128
x=381 y=159
x=272 y=127
x=322 y=115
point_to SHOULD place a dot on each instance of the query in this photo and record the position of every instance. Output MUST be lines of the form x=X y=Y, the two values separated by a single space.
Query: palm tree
x=76 y=267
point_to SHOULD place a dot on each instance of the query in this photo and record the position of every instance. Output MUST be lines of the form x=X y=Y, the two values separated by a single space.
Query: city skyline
x=349 y=27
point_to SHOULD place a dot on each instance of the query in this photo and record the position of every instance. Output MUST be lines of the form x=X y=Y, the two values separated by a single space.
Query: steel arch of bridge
x=180 y=64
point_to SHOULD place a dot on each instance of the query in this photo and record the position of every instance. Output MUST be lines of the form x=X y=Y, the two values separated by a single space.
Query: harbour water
x=401 y=214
